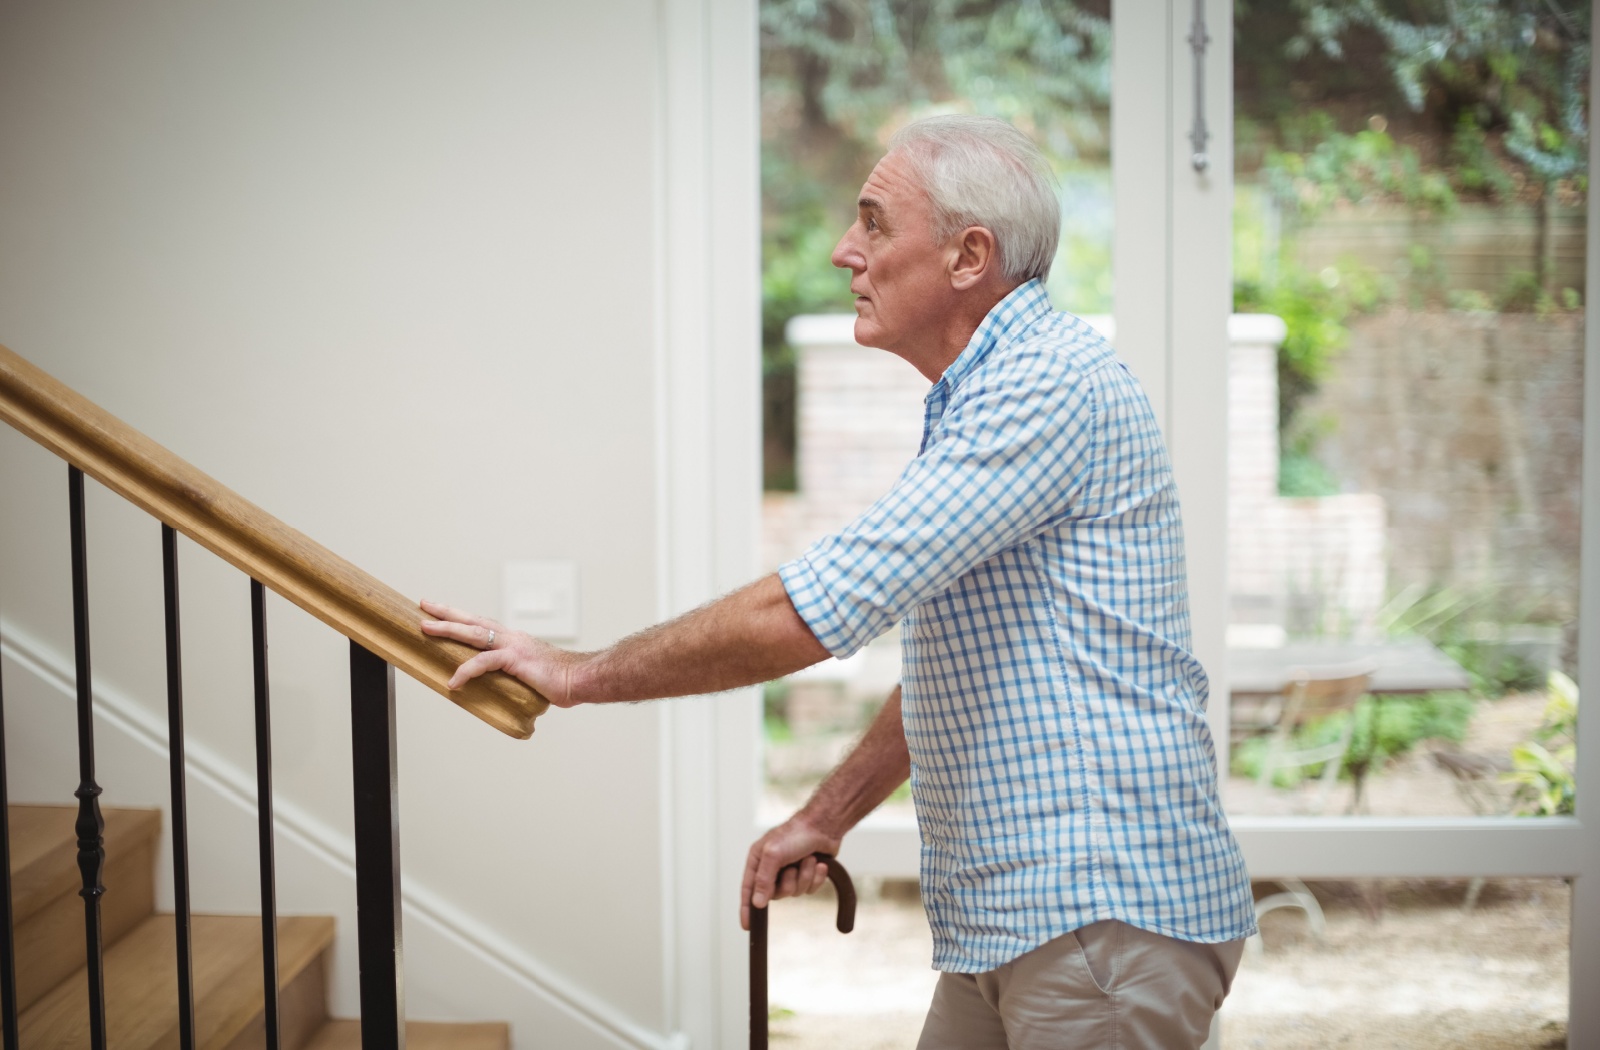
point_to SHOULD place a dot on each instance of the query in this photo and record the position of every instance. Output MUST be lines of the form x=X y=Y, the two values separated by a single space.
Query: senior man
x=1080 y=879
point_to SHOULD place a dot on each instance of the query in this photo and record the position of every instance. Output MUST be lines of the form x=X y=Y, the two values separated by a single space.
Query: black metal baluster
x=180 y=797
x=91 y=826
x=269 y=891
x=377 y=803
x=8 y=956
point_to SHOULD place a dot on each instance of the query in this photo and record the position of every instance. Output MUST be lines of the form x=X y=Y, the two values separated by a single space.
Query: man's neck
x=936 y=355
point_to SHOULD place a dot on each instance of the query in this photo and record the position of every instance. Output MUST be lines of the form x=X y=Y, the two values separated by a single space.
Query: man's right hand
x=790 y=843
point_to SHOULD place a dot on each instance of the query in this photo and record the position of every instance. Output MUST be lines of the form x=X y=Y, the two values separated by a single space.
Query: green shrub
x=1316 y=309
x=1494 y=672
x=1447 y=617
x=775 y=712
x=1385 y=728
x=1300 y=473
x=1543 y=767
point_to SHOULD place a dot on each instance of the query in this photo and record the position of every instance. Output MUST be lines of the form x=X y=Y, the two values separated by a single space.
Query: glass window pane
x=1406 y=407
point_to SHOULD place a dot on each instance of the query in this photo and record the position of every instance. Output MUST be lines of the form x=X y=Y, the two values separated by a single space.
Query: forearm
x=781 y=862
x=752 y=635
x=879 y=764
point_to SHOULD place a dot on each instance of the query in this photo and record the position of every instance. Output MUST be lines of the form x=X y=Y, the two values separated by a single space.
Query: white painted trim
x=884 y=847
x=1172 y=248
x=1200 y=290
x=1257 y=328
x=683 y=390
x=1337 y=848
x=820 y=330
x=1583 y=1016
x=209 y=770
x=708 y=496
x=1141 y=125
x=1403 y=847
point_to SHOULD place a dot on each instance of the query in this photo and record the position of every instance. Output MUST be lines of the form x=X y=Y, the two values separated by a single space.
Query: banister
x=287 y=562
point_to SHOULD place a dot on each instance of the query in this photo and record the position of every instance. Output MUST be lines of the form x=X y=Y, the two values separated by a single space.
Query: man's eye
x=871 y=223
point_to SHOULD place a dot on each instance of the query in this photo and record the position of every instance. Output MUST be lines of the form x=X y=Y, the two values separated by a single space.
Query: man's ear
x=974 y=256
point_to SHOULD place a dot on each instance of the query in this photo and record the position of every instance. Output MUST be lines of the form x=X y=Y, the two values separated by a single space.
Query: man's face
x=897 y=271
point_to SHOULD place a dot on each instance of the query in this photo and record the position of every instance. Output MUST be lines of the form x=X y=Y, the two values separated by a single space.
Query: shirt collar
x=1010 y=316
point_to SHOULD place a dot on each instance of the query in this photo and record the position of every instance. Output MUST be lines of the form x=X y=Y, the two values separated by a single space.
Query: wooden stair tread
x=44 y=850
x=420 y=1035
x=142 y=983
x=140 y=964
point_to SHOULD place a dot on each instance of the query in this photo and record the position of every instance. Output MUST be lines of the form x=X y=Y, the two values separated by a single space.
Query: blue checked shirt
x=1061 y=764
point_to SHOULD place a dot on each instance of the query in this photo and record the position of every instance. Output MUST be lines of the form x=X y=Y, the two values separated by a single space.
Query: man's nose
x=846 y=256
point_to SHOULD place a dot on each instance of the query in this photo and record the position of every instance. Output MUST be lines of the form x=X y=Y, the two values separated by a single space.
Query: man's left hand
x=539 y=664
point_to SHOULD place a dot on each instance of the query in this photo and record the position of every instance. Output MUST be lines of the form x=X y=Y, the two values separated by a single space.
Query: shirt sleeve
x=1007 y=459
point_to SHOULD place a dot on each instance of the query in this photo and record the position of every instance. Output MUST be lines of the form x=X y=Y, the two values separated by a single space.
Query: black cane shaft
x=758 y=979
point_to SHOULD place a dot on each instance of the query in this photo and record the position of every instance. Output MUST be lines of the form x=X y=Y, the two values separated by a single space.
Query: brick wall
x=1470 y=427
x=1311 y=566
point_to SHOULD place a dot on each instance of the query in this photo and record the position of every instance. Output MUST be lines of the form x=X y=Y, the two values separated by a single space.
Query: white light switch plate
x=541 y=598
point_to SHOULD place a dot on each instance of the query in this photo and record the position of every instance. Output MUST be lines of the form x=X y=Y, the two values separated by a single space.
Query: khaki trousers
x=1108 y=986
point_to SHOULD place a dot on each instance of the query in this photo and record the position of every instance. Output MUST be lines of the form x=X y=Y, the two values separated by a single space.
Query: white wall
x=393 y=272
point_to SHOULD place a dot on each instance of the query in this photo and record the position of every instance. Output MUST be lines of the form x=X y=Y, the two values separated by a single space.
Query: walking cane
x=758 y=945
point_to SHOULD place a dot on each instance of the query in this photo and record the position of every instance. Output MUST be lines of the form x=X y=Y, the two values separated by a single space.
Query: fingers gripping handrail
x=351 y=601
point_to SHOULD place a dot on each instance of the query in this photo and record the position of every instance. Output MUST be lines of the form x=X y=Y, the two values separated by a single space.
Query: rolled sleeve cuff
x=808 y=591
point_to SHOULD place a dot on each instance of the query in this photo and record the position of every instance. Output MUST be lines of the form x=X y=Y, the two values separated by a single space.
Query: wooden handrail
x=351 y=601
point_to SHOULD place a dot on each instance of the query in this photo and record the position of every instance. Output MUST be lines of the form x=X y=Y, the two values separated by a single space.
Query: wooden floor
x=140 y=957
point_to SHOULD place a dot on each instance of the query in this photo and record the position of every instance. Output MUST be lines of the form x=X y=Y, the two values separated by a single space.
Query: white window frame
x=1173 y=245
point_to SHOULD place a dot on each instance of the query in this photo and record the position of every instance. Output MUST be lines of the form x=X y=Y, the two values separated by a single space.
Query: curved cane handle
x=845 y=889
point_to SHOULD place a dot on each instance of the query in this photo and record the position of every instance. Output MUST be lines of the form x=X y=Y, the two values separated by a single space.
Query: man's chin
x=866 y=332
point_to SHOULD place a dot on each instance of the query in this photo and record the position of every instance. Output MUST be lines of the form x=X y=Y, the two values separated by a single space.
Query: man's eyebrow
x=868 y=202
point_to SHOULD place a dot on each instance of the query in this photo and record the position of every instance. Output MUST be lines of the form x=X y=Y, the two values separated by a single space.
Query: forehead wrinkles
x=893 y=188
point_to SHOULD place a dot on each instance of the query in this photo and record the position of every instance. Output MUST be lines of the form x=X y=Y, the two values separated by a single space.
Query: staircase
x=141 y=985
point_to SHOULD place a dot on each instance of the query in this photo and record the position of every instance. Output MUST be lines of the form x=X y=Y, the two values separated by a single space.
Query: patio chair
x=1314 y=693
x=1477 y=780
x=1295 y=894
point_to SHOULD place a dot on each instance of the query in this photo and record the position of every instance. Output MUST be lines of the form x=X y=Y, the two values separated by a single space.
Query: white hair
x=981 y=171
